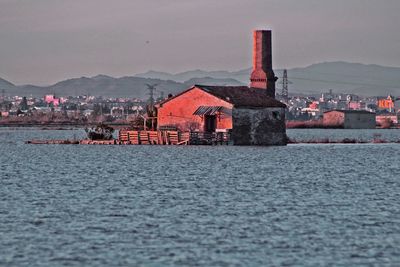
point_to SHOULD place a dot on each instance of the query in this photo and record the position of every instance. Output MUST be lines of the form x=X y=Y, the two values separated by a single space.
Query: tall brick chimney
x=262 y=75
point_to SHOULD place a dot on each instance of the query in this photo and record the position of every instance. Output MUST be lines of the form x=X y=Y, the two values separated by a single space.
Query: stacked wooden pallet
x=123 y=137
x=144 y=138
x=173 y=137
x=166 y=137
x=133 y=137
x=153 y=137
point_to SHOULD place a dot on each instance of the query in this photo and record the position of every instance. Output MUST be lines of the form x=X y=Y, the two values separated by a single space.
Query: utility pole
x=151 y=88
x=285 y=86
x=150 y=109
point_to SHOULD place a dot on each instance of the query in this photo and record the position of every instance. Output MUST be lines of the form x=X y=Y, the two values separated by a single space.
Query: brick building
x=350 y=119
x=247 y=113
x=387 y=103
x=251 y=114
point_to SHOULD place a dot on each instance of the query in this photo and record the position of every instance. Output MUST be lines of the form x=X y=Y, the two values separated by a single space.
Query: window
x=276 y=115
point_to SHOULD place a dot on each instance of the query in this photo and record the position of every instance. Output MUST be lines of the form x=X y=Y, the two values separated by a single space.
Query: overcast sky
x=43 y=41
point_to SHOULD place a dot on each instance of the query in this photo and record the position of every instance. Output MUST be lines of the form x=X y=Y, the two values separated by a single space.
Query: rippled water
x=300 y=205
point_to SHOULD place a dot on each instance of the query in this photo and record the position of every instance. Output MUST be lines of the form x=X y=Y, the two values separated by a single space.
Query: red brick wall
x=262 y=75
x=179 y=111
x=334 y=119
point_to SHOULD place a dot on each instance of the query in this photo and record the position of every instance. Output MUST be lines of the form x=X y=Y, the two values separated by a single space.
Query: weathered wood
x=185 y=142
x=173 y=138
x=134 y=137
x=167 y=137
x=144 y=138
x=153 y=137
x=184 y=136
x=123 y=136
x=160 y=138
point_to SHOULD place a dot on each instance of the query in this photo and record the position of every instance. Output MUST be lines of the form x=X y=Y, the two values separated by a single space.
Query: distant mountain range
x=361 y=79
x=241 y=76
x=100 y=85
x=341 y=77
x=5 y=84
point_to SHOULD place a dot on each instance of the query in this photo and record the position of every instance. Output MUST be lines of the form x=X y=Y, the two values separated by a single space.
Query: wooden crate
x=173 y=137
x=144 y=138
x=184 y=138
x=123 y=136
x=134 y=137
x=153 y=137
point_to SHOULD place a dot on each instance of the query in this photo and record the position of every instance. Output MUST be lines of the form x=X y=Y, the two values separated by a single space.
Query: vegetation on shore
x=310 y=124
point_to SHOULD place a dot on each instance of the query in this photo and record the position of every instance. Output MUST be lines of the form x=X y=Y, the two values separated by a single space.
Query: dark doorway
x=210 y=123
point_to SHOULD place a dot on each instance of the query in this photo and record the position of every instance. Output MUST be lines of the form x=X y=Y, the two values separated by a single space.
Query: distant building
x=350 y=119
x=390 y=117
x=4 y=114
x=312 y=112
x=87 y=112
x=117 y=111
x=51 y=99
x=386 y=104
x=356 y=105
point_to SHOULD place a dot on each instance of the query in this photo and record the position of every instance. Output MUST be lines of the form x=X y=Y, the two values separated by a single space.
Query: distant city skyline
x=45 y=41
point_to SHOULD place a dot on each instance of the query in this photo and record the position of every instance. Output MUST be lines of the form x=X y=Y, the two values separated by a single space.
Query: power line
x=330 y=73
x=348 y=83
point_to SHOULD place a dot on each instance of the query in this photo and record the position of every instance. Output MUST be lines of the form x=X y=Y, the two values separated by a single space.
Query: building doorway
x=210 y=123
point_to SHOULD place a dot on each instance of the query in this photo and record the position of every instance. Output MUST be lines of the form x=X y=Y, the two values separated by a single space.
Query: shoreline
x=59 y=126
x=68 y=126
x=119 y=142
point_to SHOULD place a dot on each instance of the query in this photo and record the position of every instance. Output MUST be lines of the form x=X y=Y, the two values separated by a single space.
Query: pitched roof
x=242 y=96
x=239 y=96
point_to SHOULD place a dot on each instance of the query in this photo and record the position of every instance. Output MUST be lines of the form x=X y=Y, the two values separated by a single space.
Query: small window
x=276 y=115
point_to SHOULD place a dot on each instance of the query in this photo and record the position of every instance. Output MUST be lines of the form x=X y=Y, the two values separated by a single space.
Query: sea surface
x=299 y=205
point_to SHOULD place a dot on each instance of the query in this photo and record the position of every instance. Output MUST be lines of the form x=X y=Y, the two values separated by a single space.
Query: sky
x=45 y=41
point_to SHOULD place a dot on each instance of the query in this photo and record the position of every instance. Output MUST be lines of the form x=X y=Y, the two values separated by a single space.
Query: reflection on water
x=300 y=205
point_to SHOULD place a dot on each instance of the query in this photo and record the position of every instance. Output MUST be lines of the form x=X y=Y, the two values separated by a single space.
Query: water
x=300 y=205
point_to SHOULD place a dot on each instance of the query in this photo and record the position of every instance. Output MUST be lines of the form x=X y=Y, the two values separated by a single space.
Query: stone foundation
x=259 y=126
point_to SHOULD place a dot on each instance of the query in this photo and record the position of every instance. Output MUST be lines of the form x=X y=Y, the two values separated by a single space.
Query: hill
x=241 y=76
x=368 y=80
x=5 y=84
x=213 y=81
x=341 y=77
x=100 y=85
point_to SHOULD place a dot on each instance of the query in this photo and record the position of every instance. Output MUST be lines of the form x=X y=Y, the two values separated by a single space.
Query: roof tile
x=242 y=96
